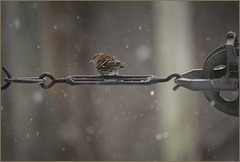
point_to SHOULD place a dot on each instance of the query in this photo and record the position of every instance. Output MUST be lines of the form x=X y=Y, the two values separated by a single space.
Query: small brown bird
x=106 y=64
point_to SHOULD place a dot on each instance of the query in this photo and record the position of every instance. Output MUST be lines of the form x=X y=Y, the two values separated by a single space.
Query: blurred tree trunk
x=66 y=46
x=174 y=54
x=24 y=111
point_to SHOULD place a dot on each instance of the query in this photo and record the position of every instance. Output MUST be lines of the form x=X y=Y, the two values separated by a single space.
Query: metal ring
x=218 y=57
x=43 y=76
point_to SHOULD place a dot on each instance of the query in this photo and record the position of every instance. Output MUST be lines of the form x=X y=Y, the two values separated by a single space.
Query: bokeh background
x=113 y=122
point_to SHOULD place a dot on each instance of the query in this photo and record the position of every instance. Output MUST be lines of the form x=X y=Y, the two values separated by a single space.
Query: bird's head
x=95 y=57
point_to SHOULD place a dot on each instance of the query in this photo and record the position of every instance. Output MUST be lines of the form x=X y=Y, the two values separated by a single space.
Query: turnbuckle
x=88 y=80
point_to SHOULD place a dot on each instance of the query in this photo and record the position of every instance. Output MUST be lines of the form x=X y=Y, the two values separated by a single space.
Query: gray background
x=113 y=122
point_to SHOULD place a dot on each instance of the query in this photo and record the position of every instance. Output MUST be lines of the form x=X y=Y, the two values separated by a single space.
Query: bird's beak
x=90 y=61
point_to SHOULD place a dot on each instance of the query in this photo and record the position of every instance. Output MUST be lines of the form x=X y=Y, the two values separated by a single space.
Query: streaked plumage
x=106 y=64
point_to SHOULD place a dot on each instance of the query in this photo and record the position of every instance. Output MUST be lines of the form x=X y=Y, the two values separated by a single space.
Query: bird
x=107 y=64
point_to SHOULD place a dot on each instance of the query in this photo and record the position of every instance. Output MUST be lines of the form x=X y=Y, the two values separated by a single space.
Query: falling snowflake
x=152 y=93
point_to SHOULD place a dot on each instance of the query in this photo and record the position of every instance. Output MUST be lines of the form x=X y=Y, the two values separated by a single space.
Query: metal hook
x=53 y=80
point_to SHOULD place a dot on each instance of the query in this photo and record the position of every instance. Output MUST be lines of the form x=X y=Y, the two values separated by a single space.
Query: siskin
x=106 y=64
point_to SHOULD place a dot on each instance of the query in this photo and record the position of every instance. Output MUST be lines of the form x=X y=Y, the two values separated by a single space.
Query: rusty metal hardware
x=212 y=79
x=88 y=80
x=219 y=73
x=227 y=55
x=192 y=80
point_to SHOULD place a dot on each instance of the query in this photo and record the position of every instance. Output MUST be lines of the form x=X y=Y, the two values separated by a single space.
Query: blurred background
x=113 y=122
